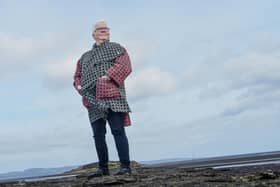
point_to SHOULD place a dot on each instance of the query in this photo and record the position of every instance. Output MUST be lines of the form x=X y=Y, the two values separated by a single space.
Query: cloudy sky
x=205 y=79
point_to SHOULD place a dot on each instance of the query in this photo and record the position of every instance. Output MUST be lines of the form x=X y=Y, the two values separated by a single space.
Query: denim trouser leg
x=115 y=120
x=99 y=131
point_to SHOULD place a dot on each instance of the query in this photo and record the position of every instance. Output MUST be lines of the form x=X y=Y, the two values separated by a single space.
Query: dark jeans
x=115 y=120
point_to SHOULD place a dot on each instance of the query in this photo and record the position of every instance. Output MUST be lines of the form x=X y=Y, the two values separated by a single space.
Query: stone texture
x=258 y=176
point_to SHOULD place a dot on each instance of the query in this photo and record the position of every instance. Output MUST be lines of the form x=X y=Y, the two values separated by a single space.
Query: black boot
x=99 y=172
x=123 y=171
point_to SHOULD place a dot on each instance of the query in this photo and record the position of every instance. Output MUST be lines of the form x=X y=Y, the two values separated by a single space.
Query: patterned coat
x=98 y=94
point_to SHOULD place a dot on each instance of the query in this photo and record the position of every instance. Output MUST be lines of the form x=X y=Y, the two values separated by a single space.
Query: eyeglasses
x=102 y=29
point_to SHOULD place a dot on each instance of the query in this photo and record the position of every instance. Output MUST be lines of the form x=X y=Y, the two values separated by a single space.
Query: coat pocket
x=106 y=89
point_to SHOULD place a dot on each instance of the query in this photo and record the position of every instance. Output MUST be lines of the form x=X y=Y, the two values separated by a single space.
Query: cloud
x=17 y=46
x=149 y=82
x=141 y=51
x=253 y=68
x=256 y=76
x=59 y=73
x=255 y=98
x=21 y=54
x=244 y=82
x=15 y=53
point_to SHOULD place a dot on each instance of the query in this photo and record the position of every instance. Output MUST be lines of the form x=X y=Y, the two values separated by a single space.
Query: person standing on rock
x=99 y=79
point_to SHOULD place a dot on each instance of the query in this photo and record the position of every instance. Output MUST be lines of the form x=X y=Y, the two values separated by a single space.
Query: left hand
x=106 y=77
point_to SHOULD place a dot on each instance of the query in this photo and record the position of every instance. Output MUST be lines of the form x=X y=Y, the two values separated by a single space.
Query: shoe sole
x=122 y=173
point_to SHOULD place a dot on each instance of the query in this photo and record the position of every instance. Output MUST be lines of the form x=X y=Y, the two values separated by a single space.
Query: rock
x=263 y=175
x=268 y=175
x=110 y=180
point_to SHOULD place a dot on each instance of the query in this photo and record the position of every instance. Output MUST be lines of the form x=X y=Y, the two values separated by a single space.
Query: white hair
x=100 y=20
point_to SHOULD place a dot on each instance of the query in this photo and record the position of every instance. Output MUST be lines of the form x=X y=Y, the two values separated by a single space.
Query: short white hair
x=99 y=21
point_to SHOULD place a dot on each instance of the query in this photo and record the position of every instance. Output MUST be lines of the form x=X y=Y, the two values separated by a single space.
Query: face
x=101 y=33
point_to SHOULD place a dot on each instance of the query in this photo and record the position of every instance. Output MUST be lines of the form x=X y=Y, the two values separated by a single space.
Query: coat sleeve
x=77 y=82
x=120 y=69
x=77 y=75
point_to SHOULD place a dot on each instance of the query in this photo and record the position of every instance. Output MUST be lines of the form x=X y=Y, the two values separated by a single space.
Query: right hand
x=79 y=89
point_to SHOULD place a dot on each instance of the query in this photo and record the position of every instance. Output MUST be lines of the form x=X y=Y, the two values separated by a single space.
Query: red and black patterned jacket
x=118 y=72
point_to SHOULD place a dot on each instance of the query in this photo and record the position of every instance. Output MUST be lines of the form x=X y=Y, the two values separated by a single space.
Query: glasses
x=102 y=29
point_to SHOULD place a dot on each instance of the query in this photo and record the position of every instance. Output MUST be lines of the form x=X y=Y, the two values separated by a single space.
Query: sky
x=205 y=79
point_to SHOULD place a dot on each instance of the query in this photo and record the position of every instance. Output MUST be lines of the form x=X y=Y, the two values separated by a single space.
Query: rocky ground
x=258 y=176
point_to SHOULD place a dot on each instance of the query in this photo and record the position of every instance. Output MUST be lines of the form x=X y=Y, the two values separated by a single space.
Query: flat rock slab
x=261 y=175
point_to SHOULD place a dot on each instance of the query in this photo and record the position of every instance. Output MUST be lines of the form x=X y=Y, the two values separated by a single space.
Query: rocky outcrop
x=261 y=175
